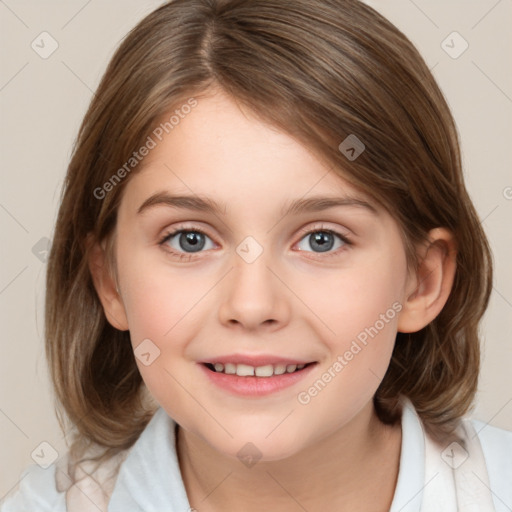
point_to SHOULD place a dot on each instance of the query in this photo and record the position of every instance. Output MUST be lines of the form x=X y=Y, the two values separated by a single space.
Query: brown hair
x=320 y=70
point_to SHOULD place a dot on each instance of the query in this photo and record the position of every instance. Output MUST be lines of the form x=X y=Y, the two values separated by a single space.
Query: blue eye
x=324 y=240
x=187 y=241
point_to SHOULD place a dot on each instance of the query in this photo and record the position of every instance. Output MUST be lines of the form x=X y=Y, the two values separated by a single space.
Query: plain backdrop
x=468 y=46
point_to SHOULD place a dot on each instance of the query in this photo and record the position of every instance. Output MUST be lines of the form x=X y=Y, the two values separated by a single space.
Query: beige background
x=42 y=102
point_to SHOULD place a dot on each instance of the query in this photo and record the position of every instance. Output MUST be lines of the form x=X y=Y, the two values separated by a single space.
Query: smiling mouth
x=245 y=370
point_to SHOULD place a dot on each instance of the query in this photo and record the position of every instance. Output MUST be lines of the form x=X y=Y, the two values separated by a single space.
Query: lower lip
x=255 y=386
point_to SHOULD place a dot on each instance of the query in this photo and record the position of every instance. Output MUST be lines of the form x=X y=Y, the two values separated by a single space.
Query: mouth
x=253 y=376
x=264 y=371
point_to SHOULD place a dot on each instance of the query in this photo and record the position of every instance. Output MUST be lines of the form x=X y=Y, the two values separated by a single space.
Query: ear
x=428 y=289
x=105 y=286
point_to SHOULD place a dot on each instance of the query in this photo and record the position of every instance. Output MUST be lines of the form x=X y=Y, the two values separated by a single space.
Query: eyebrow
x=196 y=203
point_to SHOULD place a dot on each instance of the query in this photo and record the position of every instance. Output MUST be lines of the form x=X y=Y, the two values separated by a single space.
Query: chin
x=264 y=444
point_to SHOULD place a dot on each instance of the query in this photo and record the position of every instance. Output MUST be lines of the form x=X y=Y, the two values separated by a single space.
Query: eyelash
x=303 y=233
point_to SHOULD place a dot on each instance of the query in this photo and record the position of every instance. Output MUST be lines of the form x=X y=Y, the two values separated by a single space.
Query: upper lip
x=255 y=360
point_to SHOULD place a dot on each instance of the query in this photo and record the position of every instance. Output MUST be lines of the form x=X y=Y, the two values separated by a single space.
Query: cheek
x=157 y=300
x=163 y=306
x=364 y=321
x=355 y=300
x=360 y=309
x=161 y=309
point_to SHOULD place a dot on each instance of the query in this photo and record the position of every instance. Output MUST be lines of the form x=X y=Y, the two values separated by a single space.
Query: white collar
x=448 y=475
x=411 y=476
x=149 y=479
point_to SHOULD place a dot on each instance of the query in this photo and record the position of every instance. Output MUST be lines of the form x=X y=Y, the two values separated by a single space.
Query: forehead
x=221 y=151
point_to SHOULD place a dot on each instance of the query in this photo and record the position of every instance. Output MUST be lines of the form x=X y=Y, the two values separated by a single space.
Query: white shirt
x=473 y=474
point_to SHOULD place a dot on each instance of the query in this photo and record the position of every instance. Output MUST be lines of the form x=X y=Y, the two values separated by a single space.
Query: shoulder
x=36 y=491
x=496 y=446
x=54 y=490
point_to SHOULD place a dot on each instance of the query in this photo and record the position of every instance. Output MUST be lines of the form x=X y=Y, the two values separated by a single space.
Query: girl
x=266 y=276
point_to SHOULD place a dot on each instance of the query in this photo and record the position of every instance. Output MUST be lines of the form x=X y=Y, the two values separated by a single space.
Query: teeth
x=264 y=371
x=244 y=370
x=279 y=369
x=230 y=368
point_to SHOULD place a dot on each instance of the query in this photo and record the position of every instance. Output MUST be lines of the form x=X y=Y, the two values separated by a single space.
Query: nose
x=254 y=297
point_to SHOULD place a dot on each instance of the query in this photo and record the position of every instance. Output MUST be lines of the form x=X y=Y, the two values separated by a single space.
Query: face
x=234 y=278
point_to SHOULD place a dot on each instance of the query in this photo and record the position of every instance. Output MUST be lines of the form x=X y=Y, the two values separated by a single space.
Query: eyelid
x=180 y=228
x=344 y=235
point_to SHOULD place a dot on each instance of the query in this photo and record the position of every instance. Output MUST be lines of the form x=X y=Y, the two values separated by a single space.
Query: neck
x=355 y=468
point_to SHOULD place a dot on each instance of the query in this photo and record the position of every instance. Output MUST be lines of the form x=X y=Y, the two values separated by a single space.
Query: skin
x=292 y=301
